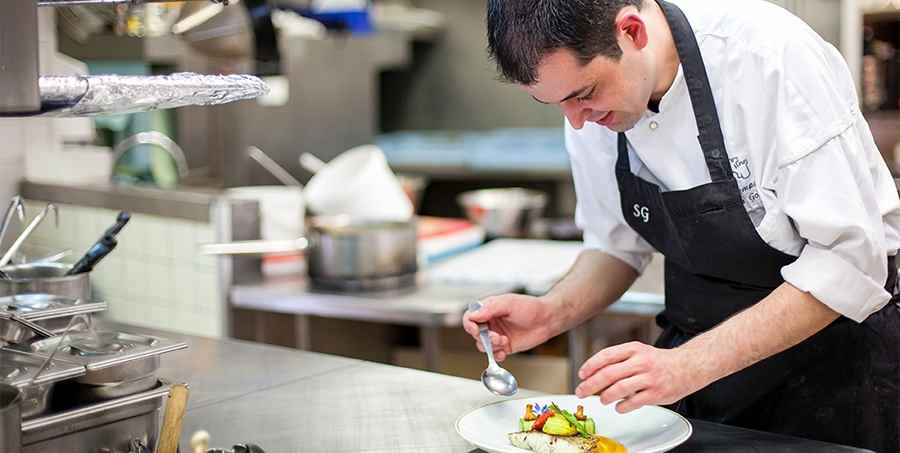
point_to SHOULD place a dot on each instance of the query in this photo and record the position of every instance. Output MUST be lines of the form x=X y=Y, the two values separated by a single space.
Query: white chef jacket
x=813 y=182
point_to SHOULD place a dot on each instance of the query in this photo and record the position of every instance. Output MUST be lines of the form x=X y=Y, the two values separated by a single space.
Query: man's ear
x=631 y=25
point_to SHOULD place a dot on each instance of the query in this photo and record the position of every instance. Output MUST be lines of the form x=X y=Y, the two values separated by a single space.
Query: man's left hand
x=639 y=375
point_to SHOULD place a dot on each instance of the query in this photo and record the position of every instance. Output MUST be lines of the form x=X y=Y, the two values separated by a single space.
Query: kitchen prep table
x=290 y=401
x=430 y=307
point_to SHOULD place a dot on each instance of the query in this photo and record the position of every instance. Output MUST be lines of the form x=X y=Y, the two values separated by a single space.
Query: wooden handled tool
x=171 y=429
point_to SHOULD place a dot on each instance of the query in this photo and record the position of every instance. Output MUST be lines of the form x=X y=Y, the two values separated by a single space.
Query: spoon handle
x=485 y=336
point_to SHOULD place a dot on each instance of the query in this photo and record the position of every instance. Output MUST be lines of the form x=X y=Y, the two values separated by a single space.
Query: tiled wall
x=154 y=278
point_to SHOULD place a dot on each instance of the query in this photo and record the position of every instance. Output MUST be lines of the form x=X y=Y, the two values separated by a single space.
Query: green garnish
x=579 y=426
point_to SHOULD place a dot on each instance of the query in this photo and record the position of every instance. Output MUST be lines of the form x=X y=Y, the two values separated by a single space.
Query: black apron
x=838 y=386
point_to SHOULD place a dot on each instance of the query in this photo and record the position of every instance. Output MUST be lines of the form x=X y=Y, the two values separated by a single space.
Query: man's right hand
x=517 y=323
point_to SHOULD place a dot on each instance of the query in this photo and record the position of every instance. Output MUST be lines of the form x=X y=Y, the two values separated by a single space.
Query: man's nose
x=576 y=114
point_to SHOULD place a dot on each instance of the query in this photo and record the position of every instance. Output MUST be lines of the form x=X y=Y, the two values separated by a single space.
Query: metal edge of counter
x=188 y=204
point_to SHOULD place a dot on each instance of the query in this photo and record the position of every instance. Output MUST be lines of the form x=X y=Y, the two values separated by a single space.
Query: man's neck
x=664 y=51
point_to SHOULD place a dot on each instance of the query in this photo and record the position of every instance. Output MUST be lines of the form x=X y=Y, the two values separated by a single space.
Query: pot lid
x=104 y=349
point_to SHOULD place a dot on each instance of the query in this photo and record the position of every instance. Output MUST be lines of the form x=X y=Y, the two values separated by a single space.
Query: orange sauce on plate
x=607 y=445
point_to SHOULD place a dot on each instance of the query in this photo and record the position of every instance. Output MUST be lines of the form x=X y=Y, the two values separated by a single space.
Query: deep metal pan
x=341 y=248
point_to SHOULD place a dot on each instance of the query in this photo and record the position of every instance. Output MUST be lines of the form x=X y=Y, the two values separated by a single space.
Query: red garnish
x=539 y=423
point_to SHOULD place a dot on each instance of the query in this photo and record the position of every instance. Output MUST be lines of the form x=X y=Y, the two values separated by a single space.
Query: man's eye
x=586 y=97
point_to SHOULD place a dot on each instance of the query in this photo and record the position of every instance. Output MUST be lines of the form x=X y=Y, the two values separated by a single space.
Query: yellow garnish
x=529 y=413
x=579 y=414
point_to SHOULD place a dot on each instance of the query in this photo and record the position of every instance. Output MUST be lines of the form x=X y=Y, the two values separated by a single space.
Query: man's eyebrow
x=570 y=96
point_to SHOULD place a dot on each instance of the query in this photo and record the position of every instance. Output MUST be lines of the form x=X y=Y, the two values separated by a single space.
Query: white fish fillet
x=540 y=442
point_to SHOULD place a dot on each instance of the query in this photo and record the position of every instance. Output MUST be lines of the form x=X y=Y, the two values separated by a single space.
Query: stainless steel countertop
x=295 y=401
x=290 y=401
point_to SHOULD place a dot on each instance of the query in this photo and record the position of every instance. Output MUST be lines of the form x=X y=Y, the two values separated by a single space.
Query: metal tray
x=105 y=349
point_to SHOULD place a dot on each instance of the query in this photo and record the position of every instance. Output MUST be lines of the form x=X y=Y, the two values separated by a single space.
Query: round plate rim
x=663 y=448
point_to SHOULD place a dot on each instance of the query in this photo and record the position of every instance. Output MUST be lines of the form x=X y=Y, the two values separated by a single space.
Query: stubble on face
x=587 y=92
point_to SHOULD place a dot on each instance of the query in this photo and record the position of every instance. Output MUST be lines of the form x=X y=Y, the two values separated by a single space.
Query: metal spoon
x=499 y=381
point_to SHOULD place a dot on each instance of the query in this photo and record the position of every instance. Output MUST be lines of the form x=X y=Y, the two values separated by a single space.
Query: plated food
x=550 y=429
x=493 y=426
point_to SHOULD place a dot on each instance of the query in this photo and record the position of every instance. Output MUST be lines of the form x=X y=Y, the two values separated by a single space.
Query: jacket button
x=654 y=125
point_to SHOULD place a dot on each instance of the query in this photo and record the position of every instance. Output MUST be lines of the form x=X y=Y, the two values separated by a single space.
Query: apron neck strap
x=706 y=115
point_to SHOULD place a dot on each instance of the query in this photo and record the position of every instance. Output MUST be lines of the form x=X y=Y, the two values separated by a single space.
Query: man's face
x=611 y=93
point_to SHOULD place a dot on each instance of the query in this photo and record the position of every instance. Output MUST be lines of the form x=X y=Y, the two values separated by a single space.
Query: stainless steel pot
x=10 y=419
x=504 y=212
x=340 y=248
x=46 y=278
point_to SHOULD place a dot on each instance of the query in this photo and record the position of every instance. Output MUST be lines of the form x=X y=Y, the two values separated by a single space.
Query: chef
x=727 y=136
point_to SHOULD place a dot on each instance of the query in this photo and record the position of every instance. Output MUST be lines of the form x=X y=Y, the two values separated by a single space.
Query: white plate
x=650 y=429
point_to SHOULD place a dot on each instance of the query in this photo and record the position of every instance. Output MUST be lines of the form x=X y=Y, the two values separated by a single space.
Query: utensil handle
x=16 y=206
x=269 y=164
x=484 y=334
x=93 y=256
x=255 y=247
x=36 y=328
x=27 y=233
x=174 y=415
x=59 y=344
x=311 y=163
x=121 y=220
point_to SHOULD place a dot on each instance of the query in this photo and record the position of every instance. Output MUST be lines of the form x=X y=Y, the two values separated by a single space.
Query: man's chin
x=619 y=124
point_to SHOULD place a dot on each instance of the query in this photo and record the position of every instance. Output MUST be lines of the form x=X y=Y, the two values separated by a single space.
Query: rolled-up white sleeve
x=831 y=196
x=598 y=210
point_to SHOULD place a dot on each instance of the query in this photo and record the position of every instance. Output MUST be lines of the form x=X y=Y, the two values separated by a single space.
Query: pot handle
x=255 y=247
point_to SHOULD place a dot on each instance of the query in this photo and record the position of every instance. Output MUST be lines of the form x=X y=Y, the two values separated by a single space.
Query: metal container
x=504 y=212
x=19 y=368
x=53 y=313
x=129 y=424
x=10 y=419
x=46 y=278
x=343 y=250
x=116 y=363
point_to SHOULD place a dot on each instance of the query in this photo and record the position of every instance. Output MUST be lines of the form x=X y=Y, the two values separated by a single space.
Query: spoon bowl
x=499 y=381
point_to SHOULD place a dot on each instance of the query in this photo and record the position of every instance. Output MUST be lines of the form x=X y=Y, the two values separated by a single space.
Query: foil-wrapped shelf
x=105 y=2
x=67 y=96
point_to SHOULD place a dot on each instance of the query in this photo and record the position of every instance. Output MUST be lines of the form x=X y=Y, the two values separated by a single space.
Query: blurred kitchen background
x=410 y=77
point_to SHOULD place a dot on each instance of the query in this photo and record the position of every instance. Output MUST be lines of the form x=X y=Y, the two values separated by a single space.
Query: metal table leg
x=302 y=334
x=430 y=337
x=579 y=338
x=259 y=327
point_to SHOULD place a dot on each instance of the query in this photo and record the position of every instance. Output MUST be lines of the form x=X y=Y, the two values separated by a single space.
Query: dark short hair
x=522 y=32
